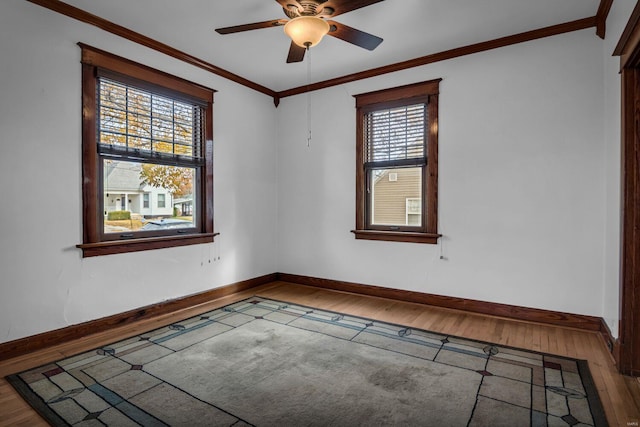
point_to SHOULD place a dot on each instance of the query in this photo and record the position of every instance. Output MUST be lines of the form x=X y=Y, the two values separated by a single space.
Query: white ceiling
x=410 y=29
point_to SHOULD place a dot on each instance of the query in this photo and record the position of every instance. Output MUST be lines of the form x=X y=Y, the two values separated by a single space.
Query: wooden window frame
x=383 y=99
x=94 y=241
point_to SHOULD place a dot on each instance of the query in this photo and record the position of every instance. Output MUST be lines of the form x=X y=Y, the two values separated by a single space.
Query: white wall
x=521 y=181
x=45 y=283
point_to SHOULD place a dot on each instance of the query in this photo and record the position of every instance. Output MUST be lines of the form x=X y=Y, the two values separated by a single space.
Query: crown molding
x=119 y=30
x=553 y=30
x=597 y=21
x=601 y=17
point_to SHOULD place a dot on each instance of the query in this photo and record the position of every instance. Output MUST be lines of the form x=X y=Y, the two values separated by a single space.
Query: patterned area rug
x=261 y=362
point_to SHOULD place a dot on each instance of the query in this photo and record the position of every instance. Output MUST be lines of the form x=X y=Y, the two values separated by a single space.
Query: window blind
x=136 y=122
x=396 y=136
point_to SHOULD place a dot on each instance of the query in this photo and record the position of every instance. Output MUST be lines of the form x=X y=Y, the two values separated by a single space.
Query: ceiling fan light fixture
x=306 y=31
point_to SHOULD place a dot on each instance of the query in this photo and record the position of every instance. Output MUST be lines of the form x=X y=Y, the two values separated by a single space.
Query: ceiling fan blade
x=353 y=36
x=296 y=53
x=254 y=26
x=344 y=6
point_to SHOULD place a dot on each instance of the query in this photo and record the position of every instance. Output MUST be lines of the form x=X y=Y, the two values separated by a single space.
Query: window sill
x=135 y=245
x=397 y=236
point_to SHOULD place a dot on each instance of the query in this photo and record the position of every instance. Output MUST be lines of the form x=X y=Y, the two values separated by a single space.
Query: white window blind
x=396 y=136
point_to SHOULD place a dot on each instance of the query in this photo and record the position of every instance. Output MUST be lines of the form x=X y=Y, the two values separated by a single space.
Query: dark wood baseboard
x=29 y=344
x=32 y=343
x=579 y=321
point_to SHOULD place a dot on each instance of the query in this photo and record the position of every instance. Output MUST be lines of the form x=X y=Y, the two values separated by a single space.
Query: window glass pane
x=147 y=197
x=162 y=130
x=395 y=196
x=163 y=108
x=163 y=147
x=113 y=95
x=140 y=143
x=112 y=138
x=185 y=150
x=111 y=120
x=184 y=123
x=138 y=125
x=138 y=101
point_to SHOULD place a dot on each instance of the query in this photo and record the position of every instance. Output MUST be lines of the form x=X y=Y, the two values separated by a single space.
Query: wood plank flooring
x=620 y=395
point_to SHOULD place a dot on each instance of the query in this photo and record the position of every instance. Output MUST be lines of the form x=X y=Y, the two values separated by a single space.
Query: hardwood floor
x=620 y=395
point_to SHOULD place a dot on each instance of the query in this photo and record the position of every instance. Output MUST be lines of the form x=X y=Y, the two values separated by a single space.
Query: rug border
x=595 y=404
x=35 y=401
x=50 y=416
x=541 y=353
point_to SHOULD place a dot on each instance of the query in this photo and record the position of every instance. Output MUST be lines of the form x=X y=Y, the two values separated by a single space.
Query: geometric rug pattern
x=261 y=362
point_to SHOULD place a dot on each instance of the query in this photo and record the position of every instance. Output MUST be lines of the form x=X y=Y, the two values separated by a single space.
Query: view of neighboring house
x=184 y=205
x=124 y=191
x=396 y=197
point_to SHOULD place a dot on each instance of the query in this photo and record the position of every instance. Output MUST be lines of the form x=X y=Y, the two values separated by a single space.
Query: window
x=397 y=164
x=414 y=211
x=146 y=135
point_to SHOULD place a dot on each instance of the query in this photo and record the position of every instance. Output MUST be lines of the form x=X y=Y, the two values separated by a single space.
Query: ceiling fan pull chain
x=308 y=55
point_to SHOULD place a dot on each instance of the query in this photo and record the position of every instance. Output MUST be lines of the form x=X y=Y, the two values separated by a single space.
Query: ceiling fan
x=316 y=14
